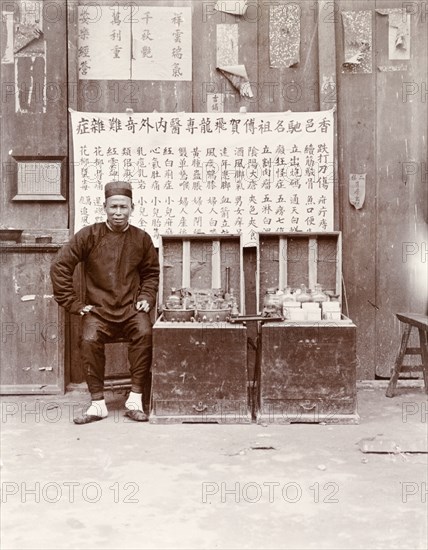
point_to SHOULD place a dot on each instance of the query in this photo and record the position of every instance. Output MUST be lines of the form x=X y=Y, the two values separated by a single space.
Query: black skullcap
x=118 y=188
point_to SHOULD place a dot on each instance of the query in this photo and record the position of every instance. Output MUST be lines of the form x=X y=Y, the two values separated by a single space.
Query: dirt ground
x=126 y=485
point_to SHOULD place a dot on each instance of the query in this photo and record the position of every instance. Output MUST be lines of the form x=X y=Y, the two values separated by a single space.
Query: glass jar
x=288 y=295
x=304 y=295
x=271 y=304
x=174 y=300
x=318 y=295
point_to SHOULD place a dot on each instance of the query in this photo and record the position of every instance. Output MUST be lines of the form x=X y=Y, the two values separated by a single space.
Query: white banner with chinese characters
x=120 y=42
x=209 y=173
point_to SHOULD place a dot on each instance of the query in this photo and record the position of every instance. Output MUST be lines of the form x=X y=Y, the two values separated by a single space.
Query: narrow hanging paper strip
x=357 y=190
x=399 y=35
x=357 y=37
x=284 y=35
x=227 y=45
x=398 y=32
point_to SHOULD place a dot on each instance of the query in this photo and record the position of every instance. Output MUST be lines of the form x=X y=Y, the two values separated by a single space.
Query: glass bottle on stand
x=270 y=302
x=174 y=300
x=288 y=295
x=304 y=295
x=318 y=295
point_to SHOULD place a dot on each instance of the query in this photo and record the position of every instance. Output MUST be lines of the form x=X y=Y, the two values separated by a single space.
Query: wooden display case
x=199 y=369
x=307 y=369
x=32 y=323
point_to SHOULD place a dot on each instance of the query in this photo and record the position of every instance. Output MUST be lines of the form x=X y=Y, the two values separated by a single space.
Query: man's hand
x=143 y=306
x=86 y=310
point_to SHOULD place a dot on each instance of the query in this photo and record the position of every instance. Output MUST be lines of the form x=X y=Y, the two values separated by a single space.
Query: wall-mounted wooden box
x=307 y=370
x=199 y=369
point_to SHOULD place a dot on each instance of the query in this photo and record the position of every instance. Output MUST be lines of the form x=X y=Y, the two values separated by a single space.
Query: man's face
x=118 y=209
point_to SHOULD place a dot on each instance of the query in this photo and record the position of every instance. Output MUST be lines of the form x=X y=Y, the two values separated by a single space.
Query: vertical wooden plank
x=298 y=261
x=206 y=79
x=327 y=83
x=357 y=154
x=282 y=278
x=185 y=278
x=339 y=274
x=172 y=258
x=294 y=88
x=34 y=113
x=216 y=265
x=401 y=145
x=312 y=262
x=242 y=300
x=328 y=264
x=161 y=272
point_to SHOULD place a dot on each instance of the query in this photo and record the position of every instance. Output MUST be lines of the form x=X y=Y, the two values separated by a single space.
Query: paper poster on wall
x=152 y=44
x=162 y=45
x=357 y=38
x=357 y=190
x=234 y=7
x=227 y=45
x=215 y=103
x=398 y=32
x=284 y=35
x=104 y=43
x=209 y=173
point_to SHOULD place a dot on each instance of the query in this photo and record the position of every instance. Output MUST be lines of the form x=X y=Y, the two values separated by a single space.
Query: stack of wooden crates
x=199 y=370
x=307 y=369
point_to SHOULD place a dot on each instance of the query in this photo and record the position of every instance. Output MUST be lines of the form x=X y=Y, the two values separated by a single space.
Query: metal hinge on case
x=200 y=407
x=307 y=405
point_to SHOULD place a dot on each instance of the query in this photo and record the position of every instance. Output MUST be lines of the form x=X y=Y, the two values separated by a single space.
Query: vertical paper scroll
x=284 y=35
x=357 y=190
x=161 y=42
x=357 y=36
x=104 y=43
x=227 y=45
x=398 y=32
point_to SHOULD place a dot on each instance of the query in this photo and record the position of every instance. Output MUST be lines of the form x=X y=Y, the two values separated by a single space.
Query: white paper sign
x=207 y=172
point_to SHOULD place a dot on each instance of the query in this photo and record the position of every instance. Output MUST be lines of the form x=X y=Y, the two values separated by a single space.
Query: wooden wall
x=34 y=120
x=381 y=131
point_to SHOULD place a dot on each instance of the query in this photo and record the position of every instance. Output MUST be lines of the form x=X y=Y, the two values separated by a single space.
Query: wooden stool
x=421 y=323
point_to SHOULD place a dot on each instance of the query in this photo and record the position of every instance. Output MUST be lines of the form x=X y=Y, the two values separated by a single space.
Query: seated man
x=122 y=278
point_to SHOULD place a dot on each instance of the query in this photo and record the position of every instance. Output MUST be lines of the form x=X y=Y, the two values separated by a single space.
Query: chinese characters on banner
x=209 y=173
x=128 y=41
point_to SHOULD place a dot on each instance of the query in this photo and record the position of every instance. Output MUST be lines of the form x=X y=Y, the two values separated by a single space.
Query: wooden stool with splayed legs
x=420 y=322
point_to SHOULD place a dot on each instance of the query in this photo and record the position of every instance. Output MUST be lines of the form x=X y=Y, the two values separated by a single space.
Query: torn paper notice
x=357 y=189
x=237 y=75
x=399 y=34
x=392 y=68
x=7 y=34
x=25 y=34
x=284 y=35
x=215 y=103
x=235 y=7
x=357 y=37
x=227 y=45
